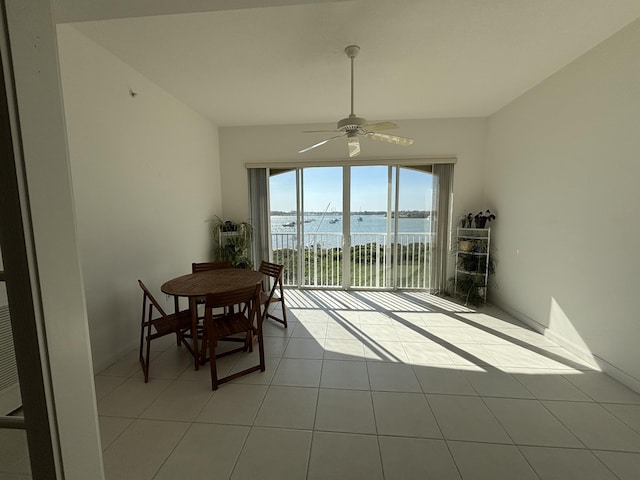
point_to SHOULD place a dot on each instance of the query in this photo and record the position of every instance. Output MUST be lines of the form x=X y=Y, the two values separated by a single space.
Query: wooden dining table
x=197 y=285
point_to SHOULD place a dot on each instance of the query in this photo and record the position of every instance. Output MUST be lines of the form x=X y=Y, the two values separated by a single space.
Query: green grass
x=323 y=267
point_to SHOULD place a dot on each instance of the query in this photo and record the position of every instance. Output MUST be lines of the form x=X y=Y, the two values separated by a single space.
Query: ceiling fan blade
x=320 y=131
x=354 y=146
x=375 y=127
x=318 y=144
x=384 y=137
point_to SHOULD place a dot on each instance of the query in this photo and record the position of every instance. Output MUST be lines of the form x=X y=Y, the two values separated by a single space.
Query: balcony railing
x=371 y=259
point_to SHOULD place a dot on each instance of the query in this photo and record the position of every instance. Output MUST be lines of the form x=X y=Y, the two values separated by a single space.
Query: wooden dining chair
x=273 y=295
x=242 y=309
x=156 y=325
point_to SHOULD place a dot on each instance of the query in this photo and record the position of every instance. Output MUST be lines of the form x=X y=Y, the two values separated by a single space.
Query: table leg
x=193 y=308
x=176 y=309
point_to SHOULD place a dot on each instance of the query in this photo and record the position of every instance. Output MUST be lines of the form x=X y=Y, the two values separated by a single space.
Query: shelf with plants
x=474 y=260
x=232 y=242
x=473 y=264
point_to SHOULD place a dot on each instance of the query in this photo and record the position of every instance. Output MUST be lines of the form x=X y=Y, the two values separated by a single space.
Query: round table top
x=211 y=281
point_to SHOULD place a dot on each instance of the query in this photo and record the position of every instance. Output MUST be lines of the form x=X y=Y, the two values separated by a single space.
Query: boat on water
x=289 y=224
x=359 y=219
x=334 y=220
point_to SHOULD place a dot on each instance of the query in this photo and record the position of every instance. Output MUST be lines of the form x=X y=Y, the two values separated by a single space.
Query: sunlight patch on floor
x=421 y=329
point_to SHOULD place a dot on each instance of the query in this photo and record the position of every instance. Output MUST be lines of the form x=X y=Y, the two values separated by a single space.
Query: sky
x=323 y=189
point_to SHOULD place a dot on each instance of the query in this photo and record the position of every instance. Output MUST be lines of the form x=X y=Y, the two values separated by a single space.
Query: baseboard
x=589 y=358
x=621 y=376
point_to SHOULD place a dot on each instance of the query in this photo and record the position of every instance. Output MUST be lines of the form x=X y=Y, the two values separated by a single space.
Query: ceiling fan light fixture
x=354 y=145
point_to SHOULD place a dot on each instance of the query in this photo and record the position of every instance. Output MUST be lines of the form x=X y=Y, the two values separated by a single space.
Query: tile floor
x=370 y=385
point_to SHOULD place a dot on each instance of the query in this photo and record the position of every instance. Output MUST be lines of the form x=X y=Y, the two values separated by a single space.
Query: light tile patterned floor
x=374 y=385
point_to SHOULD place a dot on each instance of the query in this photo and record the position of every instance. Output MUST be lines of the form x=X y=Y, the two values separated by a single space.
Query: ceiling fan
x=354 y=127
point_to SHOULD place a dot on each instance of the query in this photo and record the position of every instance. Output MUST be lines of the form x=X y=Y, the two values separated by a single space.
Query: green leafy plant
x=481 y=218
x=232 y=242
x=470 y=289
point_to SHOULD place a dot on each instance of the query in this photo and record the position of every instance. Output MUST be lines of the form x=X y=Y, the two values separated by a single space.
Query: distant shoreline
x=401 y=214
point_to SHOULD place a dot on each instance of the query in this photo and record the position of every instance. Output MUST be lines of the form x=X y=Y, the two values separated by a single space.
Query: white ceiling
x=285 y=64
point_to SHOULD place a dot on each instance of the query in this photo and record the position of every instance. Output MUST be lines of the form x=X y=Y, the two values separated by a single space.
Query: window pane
x=370 y=226
x=322 y=226
x=14 y=452
x=10 y=399
x=414 y=214
x=282 y=201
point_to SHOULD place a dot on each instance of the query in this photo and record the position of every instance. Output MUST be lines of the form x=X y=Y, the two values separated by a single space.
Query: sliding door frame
x=393 y=196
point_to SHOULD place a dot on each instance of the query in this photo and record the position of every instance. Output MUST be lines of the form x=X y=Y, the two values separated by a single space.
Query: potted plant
x=232 y=242
x=470 y=289
x=466 y=221
x=481 y=218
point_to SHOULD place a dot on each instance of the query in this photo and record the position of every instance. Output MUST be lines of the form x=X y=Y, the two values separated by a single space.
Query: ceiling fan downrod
x=352 y=52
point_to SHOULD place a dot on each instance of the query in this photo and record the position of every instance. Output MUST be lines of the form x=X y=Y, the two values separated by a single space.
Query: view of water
x=367 y=229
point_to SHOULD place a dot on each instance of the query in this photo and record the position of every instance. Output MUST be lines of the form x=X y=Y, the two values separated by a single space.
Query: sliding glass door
x=352 y=226
x=372 y=198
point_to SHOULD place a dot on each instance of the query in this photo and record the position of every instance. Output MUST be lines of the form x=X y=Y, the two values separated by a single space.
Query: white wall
x=563 y=163
x=461 y=138
x=145 y=173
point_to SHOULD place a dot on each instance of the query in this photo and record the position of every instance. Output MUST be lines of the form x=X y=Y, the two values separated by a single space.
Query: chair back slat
x=204 y=266
x=272 y=269
x=235 y=297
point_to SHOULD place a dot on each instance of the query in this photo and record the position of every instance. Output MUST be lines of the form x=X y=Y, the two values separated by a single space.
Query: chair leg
x=248 y=342
x=145 y=362
x=212 y=360
x=203 y=346
x=176 y=309
x=141 y=342
x=284 y=313
x=261 y=346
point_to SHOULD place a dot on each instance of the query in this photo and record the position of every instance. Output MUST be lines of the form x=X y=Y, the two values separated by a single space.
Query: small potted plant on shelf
x=466 y=221
x=481 y=218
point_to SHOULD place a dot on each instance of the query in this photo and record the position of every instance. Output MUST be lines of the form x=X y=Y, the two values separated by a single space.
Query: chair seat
x=227 y=325
x=173 y=321
x=266 y=298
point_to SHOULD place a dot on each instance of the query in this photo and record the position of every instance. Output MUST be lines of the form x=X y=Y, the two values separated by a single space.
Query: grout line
x=334 y=318
x=315 y=417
